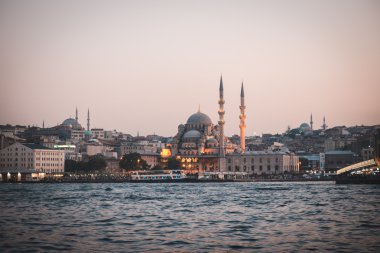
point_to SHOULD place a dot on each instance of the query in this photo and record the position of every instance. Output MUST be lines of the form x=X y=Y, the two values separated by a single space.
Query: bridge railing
x=356 y=166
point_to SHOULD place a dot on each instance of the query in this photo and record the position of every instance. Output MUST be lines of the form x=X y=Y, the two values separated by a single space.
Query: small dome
x=212 y=140
x=70 y=122
x=89 y=133
x=192 y=134
x=304 y=127
x=199 y=119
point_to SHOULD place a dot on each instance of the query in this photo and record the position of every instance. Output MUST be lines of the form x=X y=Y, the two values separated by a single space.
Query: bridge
x=357 y=166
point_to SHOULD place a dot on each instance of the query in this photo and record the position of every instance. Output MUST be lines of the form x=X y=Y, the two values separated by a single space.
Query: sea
x=189 y=217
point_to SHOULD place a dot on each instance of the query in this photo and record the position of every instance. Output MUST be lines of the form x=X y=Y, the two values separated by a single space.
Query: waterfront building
x=24 y=161
x=263 y=162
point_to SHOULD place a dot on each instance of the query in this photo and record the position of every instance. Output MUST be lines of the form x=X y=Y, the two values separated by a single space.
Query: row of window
x=16 y=154
x=49 y=153
x=49 y=164
x=11 y=165
x=49 y=159
x=253 y=160
x=237 y=168
x=51 y=170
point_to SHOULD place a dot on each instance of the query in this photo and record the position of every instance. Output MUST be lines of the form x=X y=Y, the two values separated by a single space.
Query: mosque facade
x=202 y=146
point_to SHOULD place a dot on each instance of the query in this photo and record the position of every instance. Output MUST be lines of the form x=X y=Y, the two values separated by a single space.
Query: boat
x=157 y=175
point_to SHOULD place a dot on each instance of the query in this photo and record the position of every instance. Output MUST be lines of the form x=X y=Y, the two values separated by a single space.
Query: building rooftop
x=35 y=146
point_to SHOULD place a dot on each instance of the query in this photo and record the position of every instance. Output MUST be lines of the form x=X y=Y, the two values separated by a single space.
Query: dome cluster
x=72 y=123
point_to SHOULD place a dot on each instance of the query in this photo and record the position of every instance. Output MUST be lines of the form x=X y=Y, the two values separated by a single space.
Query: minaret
x=76 y=114
x=242 y=119
x=324 y=126
x=88 y=119
x=221 y=122
x=43 y=124
x=311 y=121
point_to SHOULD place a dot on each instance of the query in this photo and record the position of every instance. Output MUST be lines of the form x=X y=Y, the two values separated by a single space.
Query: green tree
x=96 y=163
x=70 y=166
x=133 y=161
x=174 y=164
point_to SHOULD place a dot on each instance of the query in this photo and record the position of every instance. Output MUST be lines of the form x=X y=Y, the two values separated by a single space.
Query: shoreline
x=170 y=181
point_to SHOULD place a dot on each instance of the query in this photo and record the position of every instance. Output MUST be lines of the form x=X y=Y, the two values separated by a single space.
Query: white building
x=23 y=161
x=263 y=163
x=97 y=133
x=70 y=152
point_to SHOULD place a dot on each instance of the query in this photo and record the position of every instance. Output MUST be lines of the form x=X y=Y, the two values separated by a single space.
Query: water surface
x=188 y=217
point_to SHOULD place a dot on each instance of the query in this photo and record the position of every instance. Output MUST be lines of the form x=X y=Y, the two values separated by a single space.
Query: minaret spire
x=88 y=119
x=221 y=121
x=311 y=121
x=242 y=119
x=324 y=126
x=76 y=114
x=43 y=124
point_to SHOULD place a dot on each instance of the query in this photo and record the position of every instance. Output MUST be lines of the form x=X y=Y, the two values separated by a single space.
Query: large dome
x=70 y=122
x=199 y=119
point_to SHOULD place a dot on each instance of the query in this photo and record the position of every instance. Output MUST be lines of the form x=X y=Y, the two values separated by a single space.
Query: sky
x=146 y=66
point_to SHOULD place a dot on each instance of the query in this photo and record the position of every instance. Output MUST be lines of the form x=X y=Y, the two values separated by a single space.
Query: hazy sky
x=146 y=65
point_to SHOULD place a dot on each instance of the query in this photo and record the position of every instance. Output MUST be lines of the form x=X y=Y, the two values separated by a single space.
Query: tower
x=43 y=124
x=221 y=122
x=324 y=126
x=311 y=121
x=76 y=114
x=88 y=119
x=242 y=119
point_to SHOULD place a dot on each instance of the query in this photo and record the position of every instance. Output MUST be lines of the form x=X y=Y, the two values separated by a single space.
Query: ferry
x=157 y=175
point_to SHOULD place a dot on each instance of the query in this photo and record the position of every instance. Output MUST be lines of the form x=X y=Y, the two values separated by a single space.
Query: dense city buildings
x=199 y=146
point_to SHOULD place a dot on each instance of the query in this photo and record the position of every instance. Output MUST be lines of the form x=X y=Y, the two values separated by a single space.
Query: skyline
x=146 y=66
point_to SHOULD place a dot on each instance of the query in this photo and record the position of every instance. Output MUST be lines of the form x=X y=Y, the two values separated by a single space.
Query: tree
x=133 y=161
x=96 y=163
x=174 y=164
x=74 y=166
x=70 y=166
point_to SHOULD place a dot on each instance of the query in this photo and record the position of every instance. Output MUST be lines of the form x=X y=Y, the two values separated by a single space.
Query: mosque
x=202 y=147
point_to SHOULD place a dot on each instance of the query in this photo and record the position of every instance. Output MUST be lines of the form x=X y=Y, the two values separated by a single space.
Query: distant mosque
x=74 y=123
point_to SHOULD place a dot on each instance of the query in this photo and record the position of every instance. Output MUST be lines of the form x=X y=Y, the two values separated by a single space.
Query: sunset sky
x=146 y=65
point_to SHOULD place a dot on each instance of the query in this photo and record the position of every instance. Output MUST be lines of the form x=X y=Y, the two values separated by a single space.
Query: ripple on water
x=266 y=217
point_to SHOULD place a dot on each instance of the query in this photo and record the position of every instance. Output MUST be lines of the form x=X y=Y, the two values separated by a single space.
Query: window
x=268 y=167
x=261 y=167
